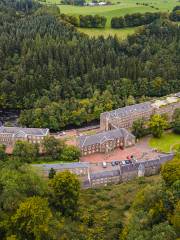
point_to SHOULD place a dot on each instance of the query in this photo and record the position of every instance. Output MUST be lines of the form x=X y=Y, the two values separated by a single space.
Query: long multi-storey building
x=9 y=135
x=124 y=117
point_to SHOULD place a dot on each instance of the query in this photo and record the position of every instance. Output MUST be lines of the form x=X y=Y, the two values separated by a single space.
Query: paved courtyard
x=141 y=151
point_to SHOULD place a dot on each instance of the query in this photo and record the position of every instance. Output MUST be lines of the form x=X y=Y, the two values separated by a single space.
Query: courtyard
x=141 y=151
x=145 y=149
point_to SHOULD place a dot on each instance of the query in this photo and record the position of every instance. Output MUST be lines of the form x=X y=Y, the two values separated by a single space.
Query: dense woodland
x=134 y=20
x=60 y=77
x=175 y=15
x=90 y=21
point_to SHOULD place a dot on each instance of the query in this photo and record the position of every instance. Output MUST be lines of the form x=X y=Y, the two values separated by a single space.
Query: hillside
x=61 y=77
x=33 y=207
x=119 y=8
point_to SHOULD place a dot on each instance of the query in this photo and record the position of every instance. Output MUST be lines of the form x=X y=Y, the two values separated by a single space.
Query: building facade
x=9 y=135
x=124 y=117
x=105 y=142
x=121 y=173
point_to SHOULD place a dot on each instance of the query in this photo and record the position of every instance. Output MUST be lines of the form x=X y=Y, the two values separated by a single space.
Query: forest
x=59 y=77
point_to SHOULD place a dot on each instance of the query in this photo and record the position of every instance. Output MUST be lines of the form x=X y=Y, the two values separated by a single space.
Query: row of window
x=2 y=139
x=105 y=180
x=31 y=138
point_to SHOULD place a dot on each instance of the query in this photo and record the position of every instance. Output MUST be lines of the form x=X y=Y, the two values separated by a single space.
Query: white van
x=104 y=164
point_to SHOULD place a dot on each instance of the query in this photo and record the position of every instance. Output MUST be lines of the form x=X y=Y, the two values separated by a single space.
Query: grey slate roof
x=26 y=131
x=87 y=140
x=128 y=110
x=59 y=166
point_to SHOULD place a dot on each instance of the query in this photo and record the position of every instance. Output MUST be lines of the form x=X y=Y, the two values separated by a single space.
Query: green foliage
x=50 y=10
x=163 y=231
x=70 y=154
x=73 y=112
x=73 y=2
x=139 y=129
x=25 y=151
x=33 y=220
x=99 y=213
x=53 y=147
x=134 y=20
x=171 y=171
x=52 y=173
x=157 y=125
x=65 y=193
x=3 y=154
x=12 y=237
x=176 y=218
x=89 y=21
x=70 y=19
x=155 y=210
x=175 y=15
x=53 y=72
x=26 y=6
x=18 y=182
x=176 y=121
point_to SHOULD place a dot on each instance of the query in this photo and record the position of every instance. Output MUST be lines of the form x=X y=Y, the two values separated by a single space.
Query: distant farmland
x=120 y=8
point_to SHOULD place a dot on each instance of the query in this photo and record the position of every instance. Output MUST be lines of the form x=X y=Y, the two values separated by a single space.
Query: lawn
x=120 y=33
x=119 y=8
x=165 y=142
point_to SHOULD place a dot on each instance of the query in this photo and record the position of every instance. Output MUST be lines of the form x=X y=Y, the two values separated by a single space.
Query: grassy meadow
x=119 y=8
x=120 y=33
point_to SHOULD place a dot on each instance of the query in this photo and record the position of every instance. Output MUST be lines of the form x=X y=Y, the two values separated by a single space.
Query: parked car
x=113 y=163
x=128 y=162
x=104 y=164
x=61 y=133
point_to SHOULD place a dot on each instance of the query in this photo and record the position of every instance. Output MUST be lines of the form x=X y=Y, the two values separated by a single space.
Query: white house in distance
x=9 y=135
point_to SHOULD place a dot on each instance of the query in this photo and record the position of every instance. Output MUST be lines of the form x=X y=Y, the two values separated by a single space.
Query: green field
x=121 y=33
x=166 y=142
x=120 y=8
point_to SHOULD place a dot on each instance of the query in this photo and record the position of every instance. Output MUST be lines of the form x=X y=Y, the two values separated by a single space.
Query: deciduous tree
x=65 y=193
x=34 y=220
x=157 y=125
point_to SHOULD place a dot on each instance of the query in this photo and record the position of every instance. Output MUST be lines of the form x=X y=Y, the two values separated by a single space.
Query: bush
x=70 y=154
x=90 y=21
x=134 y=20
x=25 y=151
